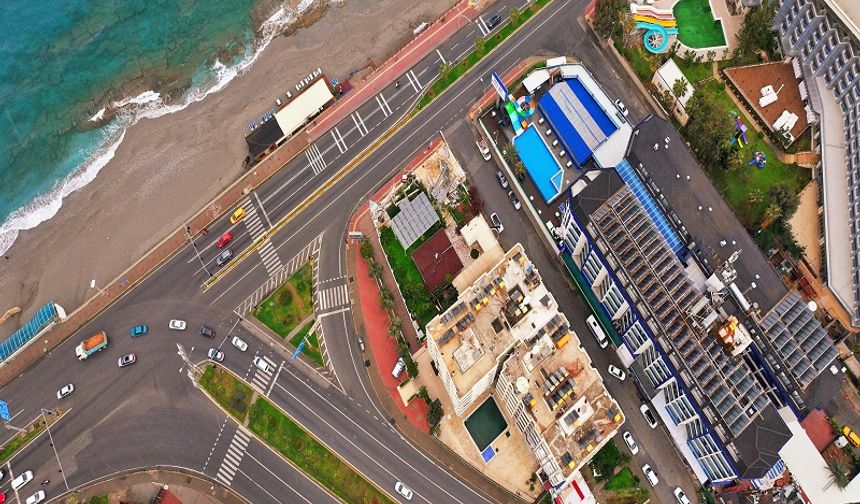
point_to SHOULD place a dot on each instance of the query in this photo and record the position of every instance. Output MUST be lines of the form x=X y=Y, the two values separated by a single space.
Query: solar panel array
x=43 y=317
x=414 y=219
x=625 y=171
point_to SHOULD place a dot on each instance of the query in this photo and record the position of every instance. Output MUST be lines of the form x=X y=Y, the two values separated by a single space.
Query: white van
x=399 y=366
x=599 y=335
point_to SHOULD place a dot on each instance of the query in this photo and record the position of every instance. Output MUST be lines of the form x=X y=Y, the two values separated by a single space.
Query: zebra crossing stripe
x=417 y=82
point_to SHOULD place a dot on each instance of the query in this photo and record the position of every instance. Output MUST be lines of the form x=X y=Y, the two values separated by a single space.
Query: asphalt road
x=150 y=414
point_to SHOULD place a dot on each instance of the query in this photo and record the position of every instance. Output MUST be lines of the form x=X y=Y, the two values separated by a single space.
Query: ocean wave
x=148 y=104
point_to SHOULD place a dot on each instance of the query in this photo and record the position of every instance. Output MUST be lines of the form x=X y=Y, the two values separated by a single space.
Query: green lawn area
x=230 y=393
x=695 y=72
x=287 y=437
x=16 y=443
x=624 y=479
x=99 y=499
x=312 y=347
x=288 y=306
x=697 y=27
x=642 y=62
x=418 y=299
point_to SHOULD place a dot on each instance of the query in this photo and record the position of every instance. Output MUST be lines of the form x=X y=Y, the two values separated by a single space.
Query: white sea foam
x=149 y=104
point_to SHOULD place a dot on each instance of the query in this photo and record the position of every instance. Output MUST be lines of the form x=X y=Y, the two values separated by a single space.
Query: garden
x=292 y=303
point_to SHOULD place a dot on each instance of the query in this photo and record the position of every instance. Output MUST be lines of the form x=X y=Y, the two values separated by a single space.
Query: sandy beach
x=168 y=168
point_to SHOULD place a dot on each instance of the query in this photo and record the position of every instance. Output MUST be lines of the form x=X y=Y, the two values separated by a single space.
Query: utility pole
x=191 y=239
x=51 y=438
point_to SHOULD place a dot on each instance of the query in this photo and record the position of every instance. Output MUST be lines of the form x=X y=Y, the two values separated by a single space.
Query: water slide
x=667 y=23
x=656 y=37
x=648 y=10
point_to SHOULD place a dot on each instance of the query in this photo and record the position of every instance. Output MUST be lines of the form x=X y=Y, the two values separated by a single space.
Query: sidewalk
x=143 y=486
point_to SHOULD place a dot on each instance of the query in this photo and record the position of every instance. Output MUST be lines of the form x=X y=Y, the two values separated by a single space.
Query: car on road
x=127 y=360
x=650 y=475
x=852 y=436
x=617 y=372
x=63 y=392
x=223 y=257
x=621 y=107
x=2 y=497
x=485 y=151
x=139 y=330
x=215 y=354
x=237 y=215
x=630 y=442
x=239 y=343
x=36 y=498
x=502 y=179
x=493 y=21
x=496 y=222
x=262 y=364
x=22 y=479
x=680 y=496
x=514 y=200
x=177 y=325
x=207 y=331
x=224 y=240
x=649 y=415
x=403 y=490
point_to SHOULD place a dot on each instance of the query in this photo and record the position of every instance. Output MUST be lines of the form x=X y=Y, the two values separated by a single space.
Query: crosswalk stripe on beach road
x=261 y=378
x=256 y=228
x=333 y=297
x=233 y=456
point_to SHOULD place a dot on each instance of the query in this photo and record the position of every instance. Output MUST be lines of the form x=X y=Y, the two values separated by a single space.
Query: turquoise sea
x=75 y=73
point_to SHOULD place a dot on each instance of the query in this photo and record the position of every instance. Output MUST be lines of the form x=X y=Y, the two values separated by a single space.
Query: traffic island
x=26 y=436
x=280 y=433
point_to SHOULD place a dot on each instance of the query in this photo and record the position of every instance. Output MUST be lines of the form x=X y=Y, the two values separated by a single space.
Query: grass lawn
x=230 y=393
x=696 y=73
x=288 y=306
x=16 y=443
x=312 y=347
x=99 y=499
x=418 y=299
x=624 y=479
x=643 y=62
x=697 y=27
x=287 y=437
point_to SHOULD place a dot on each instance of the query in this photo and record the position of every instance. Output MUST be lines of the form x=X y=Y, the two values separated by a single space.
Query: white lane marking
x=385 y=103
x=441 y=58
x=381 y=106
x=481 y=26
x=265 y=214
x=417 y=82
x=412 y=83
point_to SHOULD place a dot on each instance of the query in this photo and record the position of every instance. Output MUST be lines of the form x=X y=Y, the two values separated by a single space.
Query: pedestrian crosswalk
x=333 y=297
x=256 y=228
x=233 y=457
x=262 y=378
x=315 y=158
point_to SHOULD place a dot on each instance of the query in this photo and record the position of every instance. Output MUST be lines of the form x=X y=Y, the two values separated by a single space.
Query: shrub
x=366 y=249
x=434 y=414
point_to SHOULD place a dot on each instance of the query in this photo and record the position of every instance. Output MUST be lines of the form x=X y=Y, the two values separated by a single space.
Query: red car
x=225 y=239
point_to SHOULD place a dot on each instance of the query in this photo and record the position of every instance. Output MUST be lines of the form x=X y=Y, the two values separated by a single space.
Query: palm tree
x=480 y=45
x=679 y=88
x=510 y=154
x=838 y=473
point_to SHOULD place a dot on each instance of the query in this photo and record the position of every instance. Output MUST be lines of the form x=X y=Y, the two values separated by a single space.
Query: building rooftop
x=848 y=11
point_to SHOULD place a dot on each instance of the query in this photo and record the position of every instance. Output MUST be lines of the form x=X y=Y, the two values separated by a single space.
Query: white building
x=664 y=79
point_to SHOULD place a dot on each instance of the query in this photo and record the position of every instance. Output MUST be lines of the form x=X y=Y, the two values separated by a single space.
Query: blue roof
x=43 y=317
x=625 y=171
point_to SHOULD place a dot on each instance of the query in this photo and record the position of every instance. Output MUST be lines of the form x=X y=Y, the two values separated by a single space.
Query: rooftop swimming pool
x=485 y=424
x=542 y=168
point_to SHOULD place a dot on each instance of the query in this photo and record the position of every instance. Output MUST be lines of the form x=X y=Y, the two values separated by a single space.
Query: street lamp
x=197 y=252
x=94 y=286
x=51 y=438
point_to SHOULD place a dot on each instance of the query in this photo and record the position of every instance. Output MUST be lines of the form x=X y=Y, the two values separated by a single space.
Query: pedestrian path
x=262 y=378
x=332 y=297
x=233 y=457
x=256 y=228
x=311 y=250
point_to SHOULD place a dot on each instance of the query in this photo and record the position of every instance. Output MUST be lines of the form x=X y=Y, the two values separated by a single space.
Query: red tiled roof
x=436 y=258
x=818 y=429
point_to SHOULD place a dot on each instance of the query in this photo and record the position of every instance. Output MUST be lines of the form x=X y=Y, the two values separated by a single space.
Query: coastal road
x=150 y=414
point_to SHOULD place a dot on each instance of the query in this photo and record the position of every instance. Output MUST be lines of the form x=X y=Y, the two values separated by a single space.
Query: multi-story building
x=822 y=39
x=505 y=335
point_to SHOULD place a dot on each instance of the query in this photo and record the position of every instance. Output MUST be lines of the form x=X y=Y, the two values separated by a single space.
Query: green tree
x=607 y=459
x=480 y=45
x=756 y=32
x=444 y=70
x=783 y=197
x=515 y=15
x=679 y=88
x=375 y=270
x=709 y=130
x=386 y=298
x=838 y=473
x=608 y=17
x=434 y=414
x=366 y=249
x=509 y=153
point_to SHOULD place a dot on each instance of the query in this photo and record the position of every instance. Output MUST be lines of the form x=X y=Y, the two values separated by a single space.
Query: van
x=399 y=366
x=597 y=331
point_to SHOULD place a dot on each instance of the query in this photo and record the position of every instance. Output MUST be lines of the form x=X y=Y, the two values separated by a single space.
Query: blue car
x=139 y=330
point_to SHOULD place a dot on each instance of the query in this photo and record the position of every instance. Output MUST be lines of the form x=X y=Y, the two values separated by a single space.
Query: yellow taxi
x=237 y=215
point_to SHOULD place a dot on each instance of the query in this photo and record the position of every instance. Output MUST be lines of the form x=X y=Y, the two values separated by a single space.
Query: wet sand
x=168 y=168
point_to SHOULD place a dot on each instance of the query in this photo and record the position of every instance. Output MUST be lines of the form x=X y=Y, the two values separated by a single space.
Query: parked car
x=139 y=330
x=177 y=325
x=485 y=150
x=514 y=200
x=621 y=107
x=649 y=415
x=493 y=21
x=496 y=222
x=63 y=392
x=852 y=436
x=22 y=479
x=262 y=364
x=502 y=179
x=127 y=360
x=680 y=496
x=207 y=331
x=224 y=240
x=630 y=442
x=399 y=366
x=36 y=498
x=403 y=490
x=237 y=215
x=239 y=343
x=650 y=475
x=223 y=257
x=215 y=354
x=617 y=372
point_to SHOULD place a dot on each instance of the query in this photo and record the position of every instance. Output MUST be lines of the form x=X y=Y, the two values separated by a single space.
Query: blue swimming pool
x=542 y=168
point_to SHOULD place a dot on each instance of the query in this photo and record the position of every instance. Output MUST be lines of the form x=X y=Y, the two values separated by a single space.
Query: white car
x=63 y=392
x=621 y=107
x=403 y=490
x=630 y=442
x=22 y=479
x=485 y=151
x=650 y=475
x=36 y=498
x=239 y=343
x=178 y=325
x=617 y=372
x=215 y=354
x=649 y=415
x=262 y=364
x=681 y=496
x=496 y=222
